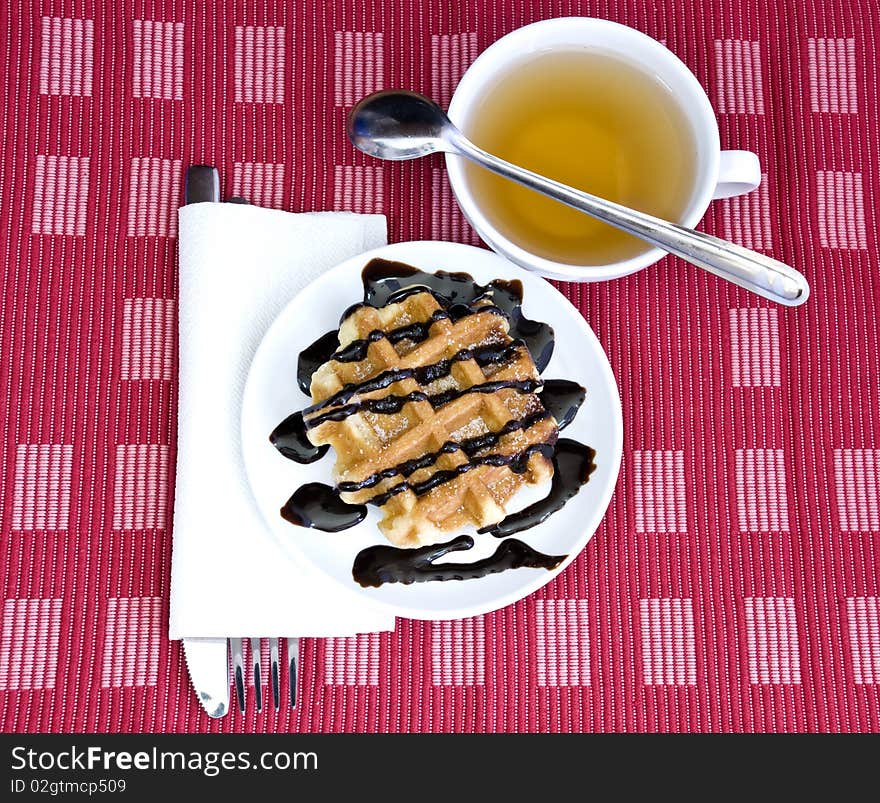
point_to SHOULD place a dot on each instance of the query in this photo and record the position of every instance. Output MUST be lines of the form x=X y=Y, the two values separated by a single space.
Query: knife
x=206 y=658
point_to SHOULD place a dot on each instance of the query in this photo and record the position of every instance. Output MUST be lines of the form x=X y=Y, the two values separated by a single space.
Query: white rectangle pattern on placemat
x=669 y=655
x=41 y=487
x=754 y=347
x=66 y=56
x=761 y=492
x=563 y=642
x=158 y=59
x=857 y=486
x=772 y=639
x=863 y=622
x=147 y=338
x=132 y=635
x=61 y=194
x=141 y=487
x=29 y=636
x=832 y=68
x=458 y=652
x=352 y=660
x=659 y=491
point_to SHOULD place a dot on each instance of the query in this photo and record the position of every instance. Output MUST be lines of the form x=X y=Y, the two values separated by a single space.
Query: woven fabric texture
x=733 y=585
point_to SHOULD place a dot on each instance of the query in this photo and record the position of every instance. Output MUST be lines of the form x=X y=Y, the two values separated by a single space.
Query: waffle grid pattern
x=367 y=443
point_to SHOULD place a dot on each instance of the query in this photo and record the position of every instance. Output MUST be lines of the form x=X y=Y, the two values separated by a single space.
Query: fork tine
x=292 y=657
x=258 y=680
x=276 y=680
x=238 y=667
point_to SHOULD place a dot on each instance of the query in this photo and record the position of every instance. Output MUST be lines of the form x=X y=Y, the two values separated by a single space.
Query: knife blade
x=208 y=666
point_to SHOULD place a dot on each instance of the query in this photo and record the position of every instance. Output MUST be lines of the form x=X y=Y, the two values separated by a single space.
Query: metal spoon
x=397 y=124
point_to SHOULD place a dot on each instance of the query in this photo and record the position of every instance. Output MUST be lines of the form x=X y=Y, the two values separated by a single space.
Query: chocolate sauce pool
x=313 y=357
x=290 y=438
x=572 y=466
x=320 y=507
x=562 y=398
x=376 y=565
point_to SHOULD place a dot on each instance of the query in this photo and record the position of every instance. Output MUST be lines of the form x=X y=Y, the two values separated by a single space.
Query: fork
x=236 y=648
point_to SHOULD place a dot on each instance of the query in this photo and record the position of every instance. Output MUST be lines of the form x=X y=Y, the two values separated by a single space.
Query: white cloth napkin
x=239 y=266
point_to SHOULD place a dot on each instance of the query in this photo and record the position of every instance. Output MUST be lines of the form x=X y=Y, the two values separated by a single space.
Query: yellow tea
x=595 y=122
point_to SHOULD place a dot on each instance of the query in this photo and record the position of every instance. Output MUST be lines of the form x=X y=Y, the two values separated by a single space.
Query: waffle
x=448 y=411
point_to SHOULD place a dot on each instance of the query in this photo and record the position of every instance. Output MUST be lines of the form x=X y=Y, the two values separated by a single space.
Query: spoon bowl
x=398 y=125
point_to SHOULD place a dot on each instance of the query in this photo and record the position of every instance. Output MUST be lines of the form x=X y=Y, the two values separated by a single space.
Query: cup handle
x=739 y=172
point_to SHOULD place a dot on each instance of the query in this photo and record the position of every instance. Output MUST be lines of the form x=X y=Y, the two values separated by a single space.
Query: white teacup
x=718 y=174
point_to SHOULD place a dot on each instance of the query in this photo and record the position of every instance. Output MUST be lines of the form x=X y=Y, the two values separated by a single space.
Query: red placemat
x=733 y=585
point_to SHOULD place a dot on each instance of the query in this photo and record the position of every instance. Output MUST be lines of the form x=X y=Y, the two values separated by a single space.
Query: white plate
x=272 y=393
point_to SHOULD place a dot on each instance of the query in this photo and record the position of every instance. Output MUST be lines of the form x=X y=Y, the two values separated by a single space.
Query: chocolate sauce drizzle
x=490 y=354
x=394 y=403
x=319 y=506
x=518 y=463
x=386 y=282
x=458 y=295
x=376 y=565
x=470 y=447
x=415 y=332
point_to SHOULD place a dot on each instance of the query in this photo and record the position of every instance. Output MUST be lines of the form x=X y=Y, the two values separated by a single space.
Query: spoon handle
x=756 y=272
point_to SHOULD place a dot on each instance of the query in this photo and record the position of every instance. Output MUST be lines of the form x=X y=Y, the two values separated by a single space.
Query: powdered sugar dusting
x=470 y=430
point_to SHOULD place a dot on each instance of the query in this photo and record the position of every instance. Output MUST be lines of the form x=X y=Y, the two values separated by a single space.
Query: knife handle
x=202 y=185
